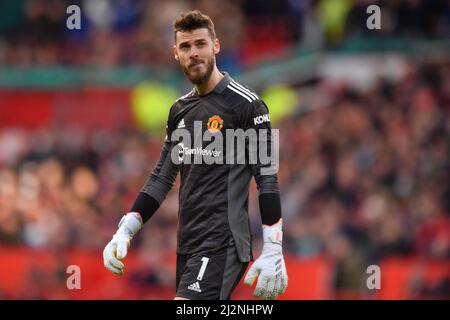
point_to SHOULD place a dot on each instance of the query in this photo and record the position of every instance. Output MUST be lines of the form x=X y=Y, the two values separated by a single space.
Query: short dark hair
x=192 y=20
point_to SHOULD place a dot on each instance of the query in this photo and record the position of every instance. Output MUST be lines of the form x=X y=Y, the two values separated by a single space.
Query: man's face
x=195 y=50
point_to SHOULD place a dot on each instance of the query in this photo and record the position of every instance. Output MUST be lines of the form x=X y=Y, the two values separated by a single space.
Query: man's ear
x=216 y=46
x=175 y=54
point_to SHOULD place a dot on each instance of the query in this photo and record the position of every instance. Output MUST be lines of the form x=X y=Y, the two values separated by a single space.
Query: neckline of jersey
x=219 y=87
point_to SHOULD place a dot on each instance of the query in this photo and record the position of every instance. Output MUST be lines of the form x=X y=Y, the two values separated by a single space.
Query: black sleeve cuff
x=146 y=205
x=270 y=207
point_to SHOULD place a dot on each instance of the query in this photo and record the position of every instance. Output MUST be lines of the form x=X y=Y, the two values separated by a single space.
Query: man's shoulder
x=239 y=95
x=185 y=97
x=181 y=102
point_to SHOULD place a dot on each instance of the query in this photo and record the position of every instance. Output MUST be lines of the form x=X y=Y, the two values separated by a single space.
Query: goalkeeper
x=214 y=237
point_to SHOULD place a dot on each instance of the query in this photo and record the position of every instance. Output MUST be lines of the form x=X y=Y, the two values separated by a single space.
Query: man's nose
x=193 y=53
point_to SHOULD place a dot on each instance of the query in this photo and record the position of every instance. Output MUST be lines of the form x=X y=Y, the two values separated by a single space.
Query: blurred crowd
x=139 y=32
x=363 y=175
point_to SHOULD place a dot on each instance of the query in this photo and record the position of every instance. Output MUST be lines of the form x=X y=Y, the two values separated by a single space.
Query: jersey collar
x=223 y=83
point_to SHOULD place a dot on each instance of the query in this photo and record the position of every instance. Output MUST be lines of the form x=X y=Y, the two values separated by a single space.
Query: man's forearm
x=270 y=208
x=145 y=205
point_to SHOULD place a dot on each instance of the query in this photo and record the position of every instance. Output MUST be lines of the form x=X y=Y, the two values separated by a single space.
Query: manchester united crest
x=215 y=123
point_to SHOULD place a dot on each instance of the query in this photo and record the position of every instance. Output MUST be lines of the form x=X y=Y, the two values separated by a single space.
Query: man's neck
x=207 y=87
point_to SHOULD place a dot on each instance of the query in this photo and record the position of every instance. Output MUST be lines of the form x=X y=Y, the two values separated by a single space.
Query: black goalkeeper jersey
x=213 y=198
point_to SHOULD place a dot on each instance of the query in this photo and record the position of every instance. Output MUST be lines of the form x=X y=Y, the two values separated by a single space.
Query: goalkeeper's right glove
x=269 y=268
x=117 y=248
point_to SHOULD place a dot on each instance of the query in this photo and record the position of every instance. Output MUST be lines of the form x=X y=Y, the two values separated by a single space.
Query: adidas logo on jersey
x=181 y=124
x=195 y=287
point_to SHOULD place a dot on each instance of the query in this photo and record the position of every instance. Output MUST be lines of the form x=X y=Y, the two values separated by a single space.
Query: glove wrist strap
x=130 y=224
x=273 y=233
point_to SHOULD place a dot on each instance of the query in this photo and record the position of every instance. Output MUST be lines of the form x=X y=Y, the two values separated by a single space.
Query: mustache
x=195 y=63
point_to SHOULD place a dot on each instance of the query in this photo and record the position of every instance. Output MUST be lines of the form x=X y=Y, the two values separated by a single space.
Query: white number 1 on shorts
x=203 y=267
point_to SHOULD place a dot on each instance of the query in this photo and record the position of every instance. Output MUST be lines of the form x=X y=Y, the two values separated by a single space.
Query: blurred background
x=364 y=119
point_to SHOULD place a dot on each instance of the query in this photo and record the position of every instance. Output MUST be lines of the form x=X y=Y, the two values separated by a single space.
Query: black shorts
x=209 y=275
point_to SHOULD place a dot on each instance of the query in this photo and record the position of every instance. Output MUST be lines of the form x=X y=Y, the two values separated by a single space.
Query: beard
x=199 y=77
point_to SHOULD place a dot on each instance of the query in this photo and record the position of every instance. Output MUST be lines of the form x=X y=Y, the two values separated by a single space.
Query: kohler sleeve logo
x=261 y=119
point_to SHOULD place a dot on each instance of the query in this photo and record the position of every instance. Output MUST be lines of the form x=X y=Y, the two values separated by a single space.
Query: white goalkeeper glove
x=270 y=266
x=117 y=248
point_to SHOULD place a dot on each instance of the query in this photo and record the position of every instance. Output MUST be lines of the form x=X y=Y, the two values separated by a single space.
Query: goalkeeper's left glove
x=117 y=248
x=270 y=266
